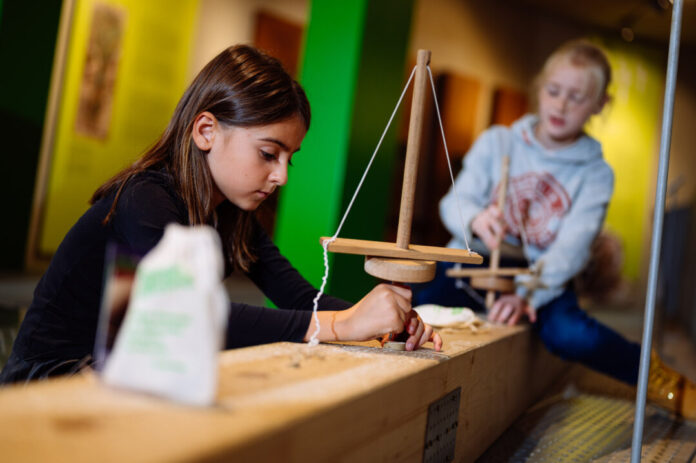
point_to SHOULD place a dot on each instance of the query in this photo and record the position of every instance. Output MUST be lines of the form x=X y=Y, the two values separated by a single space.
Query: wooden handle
x=415 y=131
x=504 y=174
x=495 y=254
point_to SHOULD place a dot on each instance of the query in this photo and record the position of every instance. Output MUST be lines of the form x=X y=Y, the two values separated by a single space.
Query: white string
x=313 y=341
x=449 y=164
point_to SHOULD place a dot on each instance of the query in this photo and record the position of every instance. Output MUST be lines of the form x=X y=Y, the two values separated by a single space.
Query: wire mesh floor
x=591 y=428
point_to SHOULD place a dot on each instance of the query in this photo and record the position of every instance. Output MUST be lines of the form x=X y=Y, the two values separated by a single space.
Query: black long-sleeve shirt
x=61 y=322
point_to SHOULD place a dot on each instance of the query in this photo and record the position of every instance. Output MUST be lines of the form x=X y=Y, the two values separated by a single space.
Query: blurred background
x=87 y=85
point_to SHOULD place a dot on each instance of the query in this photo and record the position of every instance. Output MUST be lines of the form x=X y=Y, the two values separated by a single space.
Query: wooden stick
x=475 y=272
x=495 y=254
x=415 y=131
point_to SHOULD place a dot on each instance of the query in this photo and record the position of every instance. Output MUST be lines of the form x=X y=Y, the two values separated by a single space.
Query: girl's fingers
x=437 y=342
x=402 y=311
x=505 y=312
x=485 y=235
x=510 y=309
x=515 y=318
x=397 y=324
x=404 y=306
x=401 y=291
x=531 y=313
x=496 y=228
x=493 y=314
x=490 y=241
x=413 y=342
x=426 y=336
x=413 y=325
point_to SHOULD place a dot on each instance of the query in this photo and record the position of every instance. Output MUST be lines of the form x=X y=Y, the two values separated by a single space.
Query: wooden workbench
x=290 y=402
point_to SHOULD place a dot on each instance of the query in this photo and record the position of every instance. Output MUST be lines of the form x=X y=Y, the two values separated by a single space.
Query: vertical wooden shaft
x=495 y=254
x=415 y=131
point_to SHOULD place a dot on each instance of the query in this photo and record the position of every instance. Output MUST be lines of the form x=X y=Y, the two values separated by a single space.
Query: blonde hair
x=580 y=53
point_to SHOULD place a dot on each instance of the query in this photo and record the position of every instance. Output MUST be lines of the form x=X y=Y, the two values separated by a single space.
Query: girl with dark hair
x=225 y=150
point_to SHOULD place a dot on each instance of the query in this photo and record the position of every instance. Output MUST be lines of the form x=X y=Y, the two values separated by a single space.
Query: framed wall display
x=119 y=69
x=100 y=70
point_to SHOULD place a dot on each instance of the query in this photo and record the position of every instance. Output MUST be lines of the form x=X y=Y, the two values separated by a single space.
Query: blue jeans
x=565 y=329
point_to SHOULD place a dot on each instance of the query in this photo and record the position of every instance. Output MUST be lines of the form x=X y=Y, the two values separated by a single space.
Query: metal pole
x=660 y=190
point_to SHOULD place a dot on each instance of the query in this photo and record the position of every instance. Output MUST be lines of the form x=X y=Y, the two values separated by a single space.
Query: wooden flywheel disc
x=400 y=270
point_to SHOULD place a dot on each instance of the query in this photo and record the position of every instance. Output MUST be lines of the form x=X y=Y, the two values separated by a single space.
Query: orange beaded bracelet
x=333 y=330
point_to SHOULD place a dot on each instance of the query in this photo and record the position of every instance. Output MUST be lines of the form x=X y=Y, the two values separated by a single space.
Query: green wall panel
x=353 y=72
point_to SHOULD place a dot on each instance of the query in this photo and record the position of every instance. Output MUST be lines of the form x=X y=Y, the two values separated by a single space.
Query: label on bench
x=441 y=430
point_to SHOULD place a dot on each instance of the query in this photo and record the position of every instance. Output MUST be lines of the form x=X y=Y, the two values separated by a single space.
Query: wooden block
x=394 y=345
x=290 y=402
x=414 y=251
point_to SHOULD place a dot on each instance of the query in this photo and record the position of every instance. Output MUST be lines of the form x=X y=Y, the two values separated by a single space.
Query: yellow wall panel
x=150 y=76
x=629 y=132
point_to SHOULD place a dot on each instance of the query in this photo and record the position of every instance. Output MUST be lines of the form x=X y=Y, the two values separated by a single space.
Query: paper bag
x=176 y=320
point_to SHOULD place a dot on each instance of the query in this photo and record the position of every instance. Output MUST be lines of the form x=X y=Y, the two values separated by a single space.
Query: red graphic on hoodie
x=539 y=201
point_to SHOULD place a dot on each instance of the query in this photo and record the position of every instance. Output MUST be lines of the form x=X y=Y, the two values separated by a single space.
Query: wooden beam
x=289 y=402
x=414 y=251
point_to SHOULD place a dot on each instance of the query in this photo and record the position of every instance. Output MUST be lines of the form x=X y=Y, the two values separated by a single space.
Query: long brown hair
x=241 y=87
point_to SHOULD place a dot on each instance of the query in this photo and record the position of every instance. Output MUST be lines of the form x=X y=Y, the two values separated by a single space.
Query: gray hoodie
x=557 y=198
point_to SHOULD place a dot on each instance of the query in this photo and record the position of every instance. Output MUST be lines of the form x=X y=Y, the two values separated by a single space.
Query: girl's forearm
x=333 y=326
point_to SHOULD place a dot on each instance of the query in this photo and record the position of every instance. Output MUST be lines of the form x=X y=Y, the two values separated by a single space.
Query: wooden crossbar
x=414 y=251
x=481 y=272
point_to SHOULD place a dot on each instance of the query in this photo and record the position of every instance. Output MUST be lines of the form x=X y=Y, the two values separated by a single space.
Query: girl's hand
x=385 y=309
x=510 y=308
x=489 y=225
x=420 y=333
